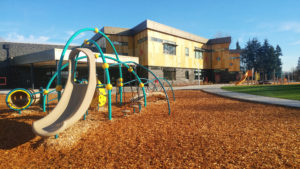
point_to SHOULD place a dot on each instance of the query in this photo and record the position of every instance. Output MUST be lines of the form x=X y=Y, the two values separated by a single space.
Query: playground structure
x=254 y=78
x=77 y=95
x=245 y=76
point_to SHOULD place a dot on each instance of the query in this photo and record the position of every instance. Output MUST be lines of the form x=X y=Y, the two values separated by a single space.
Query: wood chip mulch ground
x=204 y=131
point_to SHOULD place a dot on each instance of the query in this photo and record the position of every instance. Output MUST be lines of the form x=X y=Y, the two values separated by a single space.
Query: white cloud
x=241 y=40
x=296 y=43
x=290 y=26
x=15 y=37
x=70 y=33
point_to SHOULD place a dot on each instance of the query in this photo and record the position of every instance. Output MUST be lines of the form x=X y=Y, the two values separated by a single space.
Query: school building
x=179 y=56
x=176 y=55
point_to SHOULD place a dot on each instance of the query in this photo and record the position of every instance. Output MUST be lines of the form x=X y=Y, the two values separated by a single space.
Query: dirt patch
x=203 y=131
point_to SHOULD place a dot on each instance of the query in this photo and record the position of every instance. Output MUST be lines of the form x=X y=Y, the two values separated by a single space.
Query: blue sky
x=53 y=21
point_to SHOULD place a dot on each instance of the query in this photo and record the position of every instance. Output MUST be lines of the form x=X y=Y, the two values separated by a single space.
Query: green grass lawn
x=281 y=91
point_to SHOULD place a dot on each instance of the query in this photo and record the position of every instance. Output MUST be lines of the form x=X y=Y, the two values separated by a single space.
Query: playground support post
x=199 y=75
x=198 y=72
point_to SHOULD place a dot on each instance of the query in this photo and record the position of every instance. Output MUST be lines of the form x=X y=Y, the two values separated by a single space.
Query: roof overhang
x=50 y=57
x=152 y=25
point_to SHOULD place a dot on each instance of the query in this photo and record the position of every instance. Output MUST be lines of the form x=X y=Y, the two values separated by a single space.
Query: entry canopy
x=49 y=58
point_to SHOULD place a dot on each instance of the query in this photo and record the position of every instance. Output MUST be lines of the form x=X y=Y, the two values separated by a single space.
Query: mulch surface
x=203 y=131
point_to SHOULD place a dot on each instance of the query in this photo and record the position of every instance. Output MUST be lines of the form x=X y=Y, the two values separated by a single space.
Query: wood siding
x=157 y=57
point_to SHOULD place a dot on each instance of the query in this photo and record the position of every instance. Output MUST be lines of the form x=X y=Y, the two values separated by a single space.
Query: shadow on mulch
x=37 y=144
x=27 y=117
x=14 y=133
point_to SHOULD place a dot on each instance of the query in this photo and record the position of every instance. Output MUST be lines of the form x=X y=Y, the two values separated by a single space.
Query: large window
x=170 y=74
x=169 y=49
x=198 y=54
x=156 y=40
x=187 y=51
x=142 y=40
x=197 y=74
x=120 y=43
x=187 y=76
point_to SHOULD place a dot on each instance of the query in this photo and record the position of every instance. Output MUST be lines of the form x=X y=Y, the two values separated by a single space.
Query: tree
x=263 y=58
x=278 y=63
x=298 y=66
x=238 y=47
x=249 y=54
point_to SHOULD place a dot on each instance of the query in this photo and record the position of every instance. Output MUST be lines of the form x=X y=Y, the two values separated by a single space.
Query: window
x=156 y=39
x=197 y=74
x=169 y=49
x=102 y=42
x=120 y=43
x=198 y=54
x=2 y=80
x=169 y=74
x=232 y=58
x=142 y=40
x=125 y=54
x=186 y=51
x=187 y=76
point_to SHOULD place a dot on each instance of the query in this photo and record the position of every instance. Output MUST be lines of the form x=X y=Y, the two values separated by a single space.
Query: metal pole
x=274 y=76
x=199 y=75
x=32 y=75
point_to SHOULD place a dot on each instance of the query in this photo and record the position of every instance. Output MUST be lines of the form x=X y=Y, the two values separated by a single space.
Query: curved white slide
x=74 y=102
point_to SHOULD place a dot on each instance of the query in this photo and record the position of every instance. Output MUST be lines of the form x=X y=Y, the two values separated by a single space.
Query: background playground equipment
x=242 y=79
x=101 y=95
x=64 y=114
x=20 y=99
x=248 y=74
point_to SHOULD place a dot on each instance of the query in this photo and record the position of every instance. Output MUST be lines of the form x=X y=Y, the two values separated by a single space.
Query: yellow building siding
x=218 y=56
x=215 y=54
x=157 y=57
x=141 y=47
x=234 y=62
x=122 y=49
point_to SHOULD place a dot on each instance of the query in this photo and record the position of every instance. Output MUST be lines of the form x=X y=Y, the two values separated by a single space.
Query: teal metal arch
x=53 y=78
x=167 y=97
x=169 y=107
x=151 y=81
x=146 y=82
x=107 y=77
x=121 y=63
x=64 y=52
x=115 y=52
x=169 y=85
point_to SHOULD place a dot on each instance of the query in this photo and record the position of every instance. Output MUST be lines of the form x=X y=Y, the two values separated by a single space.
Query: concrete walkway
x=4 y=91
x=216 y=89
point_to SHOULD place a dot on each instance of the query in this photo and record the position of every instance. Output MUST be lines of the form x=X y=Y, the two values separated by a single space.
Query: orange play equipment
x=246 y=75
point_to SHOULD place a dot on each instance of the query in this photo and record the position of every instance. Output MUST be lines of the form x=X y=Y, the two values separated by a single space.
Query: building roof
x=116 y=30
x=49 y=58
x=113 y=30
x=148 y=24
x=219 y=40
x=235 y=51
